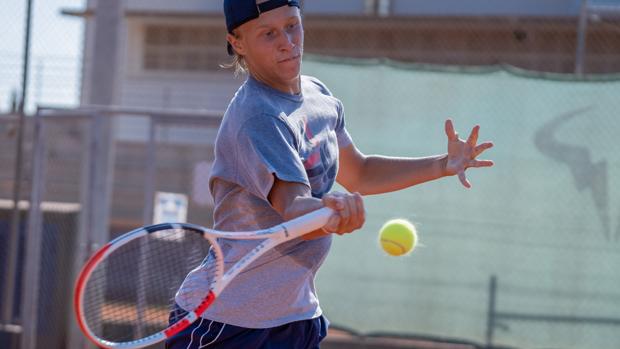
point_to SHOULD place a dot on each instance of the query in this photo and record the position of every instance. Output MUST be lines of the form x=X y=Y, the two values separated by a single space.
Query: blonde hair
x=237 y=64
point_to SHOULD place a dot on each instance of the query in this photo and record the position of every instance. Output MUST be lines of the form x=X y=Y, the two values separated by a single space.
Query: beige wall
x=176 y=6
x=141 y=87
x=540 y=44
x=535 y=44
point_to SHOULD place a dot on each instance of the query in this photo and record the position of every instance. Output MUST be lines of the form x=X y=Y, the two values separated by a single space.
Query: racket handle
x=308 y=222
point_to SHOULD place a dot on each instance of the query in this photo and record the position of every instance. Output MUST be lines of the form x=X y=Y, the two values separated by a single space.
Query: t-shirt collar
x=253 y=82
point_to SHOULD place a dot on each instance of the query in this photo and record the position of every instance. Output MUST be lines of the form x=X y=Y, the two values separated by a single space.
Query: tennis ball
x=398 y=237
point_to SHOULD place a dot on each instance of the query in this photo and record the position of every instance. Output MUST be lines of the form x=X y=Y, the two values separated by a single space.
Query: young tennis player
x=281 y=145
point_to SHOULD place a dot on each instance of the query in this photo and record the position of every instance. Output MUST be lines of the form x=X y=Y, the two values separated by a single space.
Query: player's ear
x=236 y=42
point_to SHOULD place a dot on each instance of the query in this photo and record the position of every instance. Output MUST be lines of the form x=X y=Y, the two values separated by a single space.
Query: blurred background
x=109 y=109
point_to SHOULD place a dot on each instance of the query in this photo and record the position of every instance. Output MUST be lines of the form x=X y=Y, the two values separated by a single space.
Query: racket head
x=125 y=291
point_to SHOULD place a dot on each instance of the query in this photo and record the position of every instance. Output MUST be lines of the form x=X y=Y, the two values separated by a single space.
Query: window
x=183 y=48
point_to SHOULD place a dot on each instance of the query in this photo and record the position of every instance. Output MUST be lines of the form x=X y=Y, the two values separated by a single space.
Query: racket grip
x=308 y=222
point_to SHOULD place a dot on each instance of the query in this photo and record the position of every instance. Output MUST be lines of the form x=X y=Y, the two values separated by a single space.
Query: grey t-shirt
x=267 y=133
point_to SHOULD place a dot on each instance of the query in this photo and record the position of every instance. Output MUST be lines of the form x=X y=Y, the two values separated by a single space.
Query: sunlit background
x=122 y=103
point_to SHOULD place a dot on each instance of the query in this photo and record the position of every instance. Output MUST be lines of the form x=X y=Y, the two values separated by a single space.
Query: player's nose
x=287 y=43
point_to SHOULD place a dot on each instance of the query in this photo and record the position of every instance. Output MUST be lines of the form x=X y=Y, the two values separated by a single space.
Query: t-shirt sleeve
x=342 y=135
x=266 y=147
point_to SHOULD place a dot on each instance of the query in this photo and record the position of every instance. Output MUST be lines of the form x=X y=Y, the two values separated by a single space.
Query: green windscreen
x=530 y=256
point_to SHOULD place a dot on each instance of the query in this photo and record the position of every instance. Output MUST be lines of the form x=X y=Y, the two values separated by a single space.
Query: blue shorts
x=304 y=334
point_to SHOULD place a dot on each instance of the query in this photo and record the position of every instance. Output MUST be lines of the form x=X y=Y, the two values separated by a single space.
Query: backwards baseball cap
x=238 y=12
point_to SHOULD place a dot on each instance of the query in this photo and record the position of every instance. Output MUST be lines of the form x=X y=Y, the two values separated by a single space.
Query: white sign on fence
x=170 y=208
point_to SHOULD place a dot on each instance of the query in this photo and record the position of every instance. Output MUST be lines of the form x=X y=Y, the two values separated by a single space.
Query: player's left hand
x=463 y=154
x=350 y=214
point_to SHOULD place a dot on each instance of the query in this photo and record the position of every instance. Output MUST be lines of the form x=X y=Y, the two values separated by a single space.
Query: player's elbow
x=350 y=186
x=361 y=188
x=352 y=169
x=354 y=182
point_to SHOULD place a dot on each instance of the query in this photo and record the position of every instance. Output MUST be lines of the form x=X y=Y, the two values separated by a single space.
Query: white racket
x=125 y=291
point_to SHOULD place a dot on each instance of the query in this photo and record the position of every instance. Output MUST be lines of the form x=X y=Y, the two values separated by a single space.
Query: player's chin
x=289 y=74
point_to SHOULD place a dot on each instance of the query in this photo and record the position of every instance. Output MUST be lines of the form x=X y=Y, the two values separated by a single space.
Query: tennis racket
x=125 y=291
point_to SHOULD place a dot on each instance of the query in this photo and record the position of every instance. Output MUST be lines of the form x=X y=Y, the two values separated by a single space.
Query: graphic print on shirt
x=318 y=159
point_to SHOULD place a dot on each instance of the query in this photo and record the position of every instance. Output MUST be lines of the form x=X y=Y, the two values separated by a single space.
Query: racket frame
x=272 y=237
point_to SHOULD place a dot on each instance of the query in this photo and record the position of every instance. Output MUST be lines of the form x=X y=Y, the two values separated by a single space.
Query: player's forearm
x=292 y=200
x=382 y=174
x=300 y=206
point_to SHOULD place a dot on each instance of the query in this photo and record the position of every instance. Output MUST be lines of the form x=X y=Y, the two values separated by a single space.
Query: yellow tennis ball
x=398 y=237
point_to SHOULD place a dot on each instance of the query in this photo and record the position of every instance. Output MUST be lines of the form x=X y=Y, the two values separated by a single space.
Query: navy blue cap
x=238 y=12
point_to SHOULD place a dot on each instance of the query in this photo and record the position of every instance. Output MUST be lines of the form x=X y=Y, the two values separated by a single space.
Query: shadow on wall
x=587 y=174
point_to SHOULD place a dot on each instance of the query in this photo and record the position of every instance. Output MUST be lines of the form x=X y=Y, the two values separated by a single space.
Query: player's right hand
x=350 y=213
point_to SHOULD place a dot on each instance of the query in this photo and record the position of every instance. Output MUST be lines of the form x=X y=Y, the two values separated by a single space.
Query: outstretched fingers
x=462 y=154
x=482 y=147
x=473 y=136
x=480 y=163
x=450 y=132
x=464 y=180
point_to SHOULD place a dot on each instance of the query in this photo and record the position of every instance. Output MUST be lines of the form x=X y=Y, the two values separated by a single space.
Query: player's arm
x=377 y=174
x=291 y=200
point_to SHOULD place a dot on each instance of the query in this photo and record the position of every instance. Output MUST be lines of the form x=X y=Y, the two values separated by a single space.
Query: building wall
x=203 y=88
x=396 y=7
x=533 y=44
x=341 y=7
x=202 y=6
x=544 y=44
x=512 y=32
x=535 y=8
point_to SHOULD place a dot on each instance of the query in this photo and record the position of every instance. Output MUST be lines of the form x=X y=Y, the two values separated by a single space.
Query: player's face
x=272 y=46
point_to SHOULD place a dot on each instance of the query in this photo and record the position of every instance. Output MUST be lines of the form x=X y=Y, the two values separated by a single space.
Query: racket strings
x=198 y=282
x=131 y=293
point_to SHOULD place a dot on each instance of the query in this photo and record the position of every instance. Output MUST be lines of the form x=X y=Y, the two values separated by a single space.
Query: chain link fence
x=11 y=248
x=54 y=60
x=92 y=180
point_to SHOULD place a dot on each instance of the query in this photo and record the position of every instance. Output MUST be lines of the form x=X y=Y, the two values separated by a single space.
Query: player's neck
x=292 y=87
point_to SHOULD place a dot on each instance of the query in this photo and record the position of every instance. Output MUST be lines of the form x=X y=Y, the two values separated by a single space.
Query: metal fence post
x=582 y=28
x=9 y=296
x=491 y=312
x=30 y=299
x=102 y=177
x=96 y=179
x=149 y=182
x=149 y=194
x=75 y=337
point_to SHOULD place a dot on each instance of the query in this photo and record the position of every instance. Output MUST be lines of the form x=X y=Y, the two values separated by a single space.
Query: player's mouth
x=291 y=59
